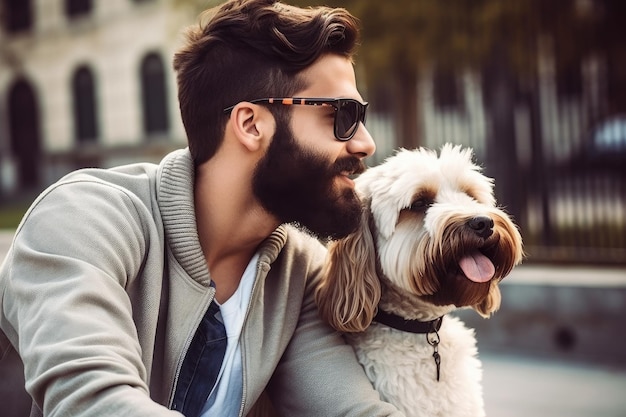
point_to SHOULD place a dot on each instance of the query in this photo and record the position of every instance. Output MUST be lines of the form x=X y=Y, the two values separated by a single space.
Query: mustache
x=350 y=164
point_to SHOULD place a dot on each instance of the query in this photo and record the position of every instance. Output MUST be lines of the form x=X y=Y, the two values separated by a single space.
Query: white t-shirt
x=225 y=399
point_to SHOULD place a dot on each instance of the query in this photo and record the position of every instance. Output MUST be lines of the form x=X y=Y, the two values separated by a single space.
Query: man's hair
x=248 y=49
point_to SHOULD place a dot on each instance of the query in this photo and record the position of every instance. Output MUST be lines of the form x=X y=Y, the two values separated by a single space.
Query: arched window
x=24 y=132
x=154 y=96
x=76 y=8
x=84 y=103
x=18 y=15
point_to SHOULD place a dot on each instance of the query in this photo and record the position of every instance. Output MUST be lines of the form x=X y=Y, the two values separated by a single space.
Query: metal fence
x=570 y=208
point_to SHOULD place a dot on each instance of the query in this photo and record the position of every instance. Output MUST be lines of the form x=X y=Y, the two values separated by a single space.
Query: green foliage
x=406 y=35
x=462 y=33
x=10 y=216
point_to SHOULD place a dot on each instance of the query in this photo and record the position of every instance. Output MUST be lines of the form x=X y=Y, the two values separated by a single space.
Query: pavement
x=518 y=386
x=524 y=385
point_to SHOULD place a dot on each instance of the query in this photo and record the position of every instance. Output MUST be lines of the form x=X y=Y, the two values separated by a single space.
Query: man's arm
x=319 y=374
x=65 y=300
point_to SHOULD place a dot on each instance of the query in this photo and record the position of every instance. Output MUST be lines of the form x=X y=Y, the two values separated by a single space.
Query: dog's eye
x=420 y=205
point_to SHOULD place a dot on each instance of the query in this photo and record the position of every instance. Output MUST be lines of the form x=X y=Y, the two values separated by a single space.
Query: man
x=144 y=289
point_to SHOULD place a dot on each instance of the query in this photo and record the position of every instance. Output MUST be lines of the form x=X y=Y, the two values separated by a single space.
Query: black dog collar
x=411 y=326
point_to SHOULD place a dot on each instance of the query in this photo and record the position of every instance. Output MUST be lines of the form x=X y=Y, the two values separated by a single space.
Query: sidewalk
x=516 y=386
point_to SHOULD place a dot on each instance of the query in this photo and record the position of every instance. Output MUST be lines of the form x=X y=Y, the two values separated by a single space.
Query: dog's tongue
x=477 y=267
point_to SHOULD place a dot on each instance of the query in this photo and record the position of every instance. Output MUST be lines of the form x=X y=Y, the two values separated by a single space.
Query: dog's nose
x=481 y=225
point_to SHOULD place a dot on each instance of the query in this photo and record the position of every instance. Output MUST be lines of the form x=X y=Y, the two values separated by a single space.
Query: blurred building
x=85 y=83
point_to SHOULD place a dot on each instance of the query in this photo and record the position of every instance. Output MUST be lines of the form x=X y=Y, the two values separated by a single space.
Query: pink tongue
x=477 y=267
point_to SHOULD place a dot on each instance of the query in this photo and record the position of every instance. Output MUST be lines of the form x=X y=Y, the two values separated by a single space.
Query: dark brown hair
x=248 y=49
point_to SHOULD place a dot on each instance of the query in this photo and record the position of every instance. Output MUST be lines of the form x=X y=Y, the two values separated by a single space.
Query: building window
x=18 y=15
x=154 y=96
x=77 y=8
x=24 y=132
x=446 y=89
x=84 y=101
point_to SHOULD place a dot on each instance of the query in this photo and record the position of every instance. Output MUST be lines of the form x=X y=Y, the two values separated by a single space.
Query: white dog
x=432 y=240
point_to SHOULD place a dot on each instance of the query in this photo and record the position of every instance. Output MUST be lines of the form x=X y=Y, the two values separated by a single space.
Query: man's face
x=304 y=177
x=297 y=185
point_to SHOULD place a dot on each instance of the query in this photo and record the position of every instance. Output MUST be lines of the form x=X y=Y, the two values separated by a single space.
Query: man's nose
x=362 y=143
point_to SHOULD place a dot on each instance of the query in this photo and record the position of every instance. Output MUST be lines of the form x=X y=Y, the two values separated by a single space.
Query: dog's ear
x=491 y=303
x=348 y=294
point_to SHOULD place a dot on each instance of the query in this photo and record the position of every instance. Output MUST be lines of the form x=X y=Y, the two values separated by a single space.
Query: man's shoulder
x=95 y=187
x=138 y=179
x=123 y=175
x=300 y=240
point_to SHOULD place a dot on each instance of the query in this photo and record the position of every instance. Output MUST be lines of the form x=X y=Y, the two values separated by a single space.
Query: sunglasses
x=348 y=112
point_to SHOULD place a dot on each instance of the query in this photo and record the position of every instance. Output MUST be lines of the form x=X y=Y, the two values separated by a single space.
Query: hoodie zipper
x=262 y=267
x=181 y=358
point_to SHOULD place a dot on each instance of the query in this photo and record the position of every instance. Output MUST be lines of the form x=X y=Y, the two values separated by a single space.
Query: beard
x=297 y=186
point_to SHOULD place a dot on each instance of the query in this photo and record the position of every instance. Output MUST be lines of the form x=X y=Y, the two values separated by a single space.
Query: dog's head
x=431 y=227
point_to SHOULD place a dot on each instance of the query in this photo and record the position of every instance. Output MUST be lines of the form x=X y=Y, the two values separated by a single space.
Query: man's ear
x=253 y=125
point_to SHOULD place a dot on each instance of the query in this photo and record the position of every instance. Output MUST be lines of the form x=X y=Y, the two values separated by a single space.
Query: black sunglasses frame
x=335 y=103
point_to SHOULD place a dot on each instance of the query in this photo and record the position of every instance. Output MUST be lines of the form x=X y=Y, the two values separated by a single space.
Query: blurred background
x=536 y=87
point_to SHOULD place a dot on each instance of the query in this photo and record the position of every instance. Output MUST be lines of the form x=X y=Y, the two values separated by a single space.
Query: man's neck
x=230 y=222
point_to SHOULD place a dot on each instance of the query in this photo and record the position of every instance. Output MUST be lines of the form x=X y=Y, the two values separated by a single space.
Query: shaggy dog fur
x=432 y=240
